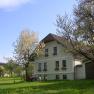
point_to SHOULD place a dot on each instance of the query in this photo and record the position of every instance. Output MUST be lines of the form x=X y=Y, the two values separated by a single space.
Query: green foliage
x=48 y=87
x=30 y=69
x=2 y=70
x=18 y=70
x=10 y=67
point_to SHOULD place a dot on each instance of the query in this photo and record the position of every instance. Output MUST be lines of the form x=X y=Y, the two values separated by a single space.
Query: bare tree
x=79 y=31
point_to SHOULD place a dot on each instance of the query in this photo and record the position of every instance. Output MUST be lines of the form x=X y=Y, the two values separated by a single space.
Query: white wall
x=77 y=62
x=61 y=55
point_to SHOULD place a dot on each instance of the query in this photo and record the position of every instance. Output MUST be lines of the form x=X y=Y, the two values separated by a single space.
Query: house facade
x=56 y=63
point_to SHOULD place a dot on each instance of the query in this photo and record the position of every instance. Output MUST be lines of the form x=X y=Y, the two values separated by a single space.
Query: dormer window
x=54 y=50
x=46 y=52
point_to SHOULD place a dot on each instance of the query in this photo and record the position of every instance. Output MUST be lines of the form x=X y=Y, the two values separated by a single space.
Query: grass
x=49 y=87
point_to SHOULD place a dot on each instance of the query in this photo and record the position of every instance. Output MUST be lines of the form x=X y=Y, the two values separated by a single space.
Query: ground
x=7 y=86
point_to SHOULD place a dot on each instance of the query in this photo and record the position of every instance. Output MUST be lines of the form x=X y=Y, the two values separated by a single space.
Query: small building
x=56 y=63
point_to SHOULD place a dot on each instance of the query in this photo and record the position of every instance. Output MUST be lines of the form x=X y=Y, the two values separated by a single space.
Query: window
x=45 y=77
x=57 y=65
x=57 y=77
x=55 y=51
x=46 y=52
x=64 y=77
x=63 y=64
x=45 y=66
x=39 y=66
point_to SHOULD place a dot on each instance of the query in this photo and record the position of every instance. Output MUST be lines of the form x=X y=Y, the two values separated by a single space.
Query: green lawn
x=49 y=87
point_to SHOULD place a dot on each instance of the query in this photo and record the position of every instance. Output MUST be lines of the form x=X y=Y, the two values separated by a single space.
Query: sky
x=35 y=15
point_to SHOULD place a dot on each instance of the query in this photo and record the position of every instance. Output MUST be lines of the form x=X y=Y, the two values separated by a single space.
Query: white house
x=56 y=63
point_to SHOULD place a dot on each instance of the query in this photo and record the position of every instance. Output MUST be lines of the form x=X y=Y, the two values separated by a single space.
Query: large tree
x=24 y=48
x=79 y=30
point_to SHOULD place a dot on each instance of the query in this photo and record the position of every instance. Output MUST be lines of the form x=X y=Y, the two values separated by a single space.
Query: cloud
x=9 y=4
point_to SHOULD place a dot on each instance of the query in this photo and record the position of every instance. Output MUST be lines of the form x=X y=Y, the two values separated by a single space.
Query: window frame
x=56 y=65
x=64 y=77
x=64 y=64
x=55 y=50
x=45 y=66
x=46 y=52
x=57 y=77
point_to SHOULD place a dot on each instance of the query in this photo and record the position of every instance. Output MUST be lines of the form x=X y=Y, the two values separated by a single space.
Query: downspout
x=74 y=70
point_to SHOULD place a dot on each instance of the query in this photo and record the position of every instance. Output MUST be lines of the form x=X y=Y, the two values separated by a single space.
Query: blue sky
x=36 y=15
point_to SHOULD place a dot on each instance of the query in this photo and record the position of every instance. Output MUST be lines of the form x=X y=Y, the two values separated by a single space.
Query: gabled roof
x=52 y=37
x=59 y=39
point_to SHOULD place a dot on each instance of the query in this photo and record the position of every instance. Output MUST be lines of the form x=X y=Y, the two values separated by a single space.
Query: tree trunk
x=26 y=75
x=26 y=72
x=11 y=74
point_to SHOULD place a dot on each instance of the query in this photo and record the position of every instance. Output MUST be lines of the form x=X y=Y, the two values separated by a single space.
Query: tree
x=18 y=70
x=2 y=70
x=78 y=32
x=30 y=69
x=10 y=66
x=24 y=49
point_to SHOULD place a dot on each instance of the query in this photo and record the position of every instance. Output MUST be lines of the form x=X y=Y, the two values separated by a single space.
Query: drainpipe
x=74 y=70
